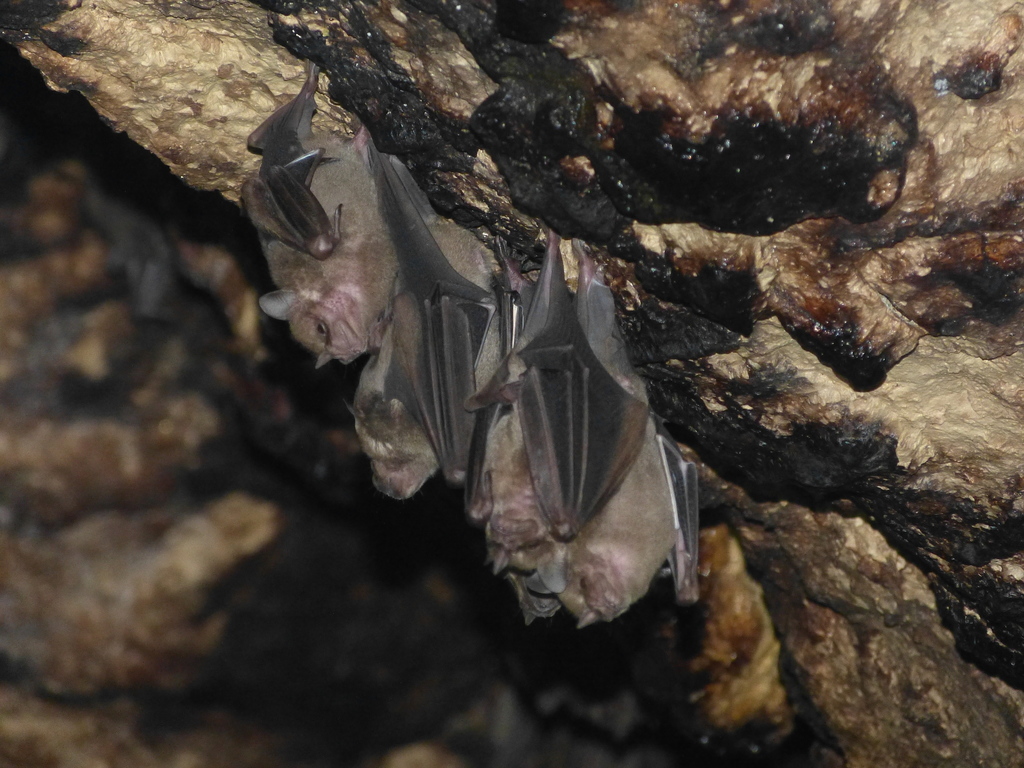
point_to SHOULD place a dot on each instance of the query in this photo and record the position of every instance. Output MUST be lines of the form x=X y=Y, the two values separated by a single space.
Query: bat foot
x=687 y=590
x=478 y=514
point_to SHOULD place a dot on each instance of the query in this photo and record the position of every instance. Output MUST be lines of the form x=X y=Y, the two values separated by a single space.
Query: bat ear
x=306 y=221
x=499 y=560
x=280 y=305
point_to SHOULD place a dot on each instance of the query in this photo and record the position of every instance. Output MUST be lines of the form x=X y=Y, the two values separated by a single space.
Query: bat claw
x=499 y=561
x=588 y=618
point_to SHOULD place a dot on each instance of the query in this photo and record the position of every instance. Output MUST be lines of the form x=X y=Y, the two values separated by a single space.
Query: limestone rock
x=811 y=212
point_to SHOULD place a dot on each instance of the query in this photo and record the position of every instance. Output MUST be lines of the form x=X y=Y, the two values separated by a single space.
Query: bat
x=314 y=203
x=409 y=406
x=580 y=426
x=401 y=456
x=512 y=292
x=615 y=557
x=441 y=332
x=616 y=540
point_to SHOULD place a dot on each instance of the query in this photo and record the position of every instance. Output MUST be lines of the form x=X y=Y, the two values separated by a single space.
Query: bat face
x=328 y=249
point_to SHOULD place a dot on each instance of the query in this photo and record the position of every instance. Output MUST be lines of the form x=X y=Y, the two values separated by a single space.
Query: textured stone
x=119 y=601
x=860 y=633
x=37 y=734
x=828 y=308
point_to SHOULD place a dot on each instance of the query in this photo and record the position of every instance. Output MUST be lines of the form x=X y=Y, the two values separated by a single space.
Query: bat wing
x=439 y=340
x=441 y=321
x=288 y=211
x=681 y=476
x=580 y=427
x=401 y=456
x=281 y=136
x=595 y=310
x=279 y=200
x=581 y=430
x=479 y=501
x=511 y=292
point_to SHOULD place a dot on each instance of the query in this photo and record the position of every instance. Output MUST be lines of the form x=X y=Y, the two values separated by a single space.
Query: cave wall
x=810 y=214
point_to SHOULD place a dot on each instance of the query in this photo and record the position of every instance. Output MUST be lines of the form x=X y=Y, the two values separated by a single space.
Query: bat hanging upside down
x=520 y=391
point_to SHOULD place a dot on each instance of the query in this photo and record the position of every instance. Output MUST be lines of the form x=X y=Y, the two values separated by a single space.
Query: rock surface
x=811 y=215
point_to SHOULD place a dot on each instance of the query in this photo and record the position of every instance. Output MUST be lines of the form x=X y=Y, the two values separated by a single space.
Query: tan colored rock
x=861 y=635
x=60 y=468
x=423 y=755
x=740 y=654
x=40 y=734
x=118 y=600
x=188 y=82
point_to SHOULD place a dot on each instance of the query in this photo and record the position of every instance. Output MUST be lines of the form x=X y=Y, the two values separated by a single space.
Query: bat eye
x=321 y=329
